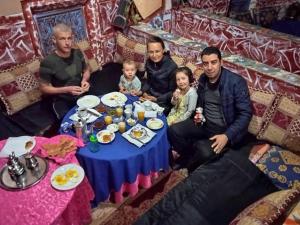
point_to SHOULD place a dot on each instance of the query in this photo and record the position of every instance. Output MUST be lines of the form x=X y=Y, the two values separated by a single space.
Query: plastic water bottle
x=93 y=144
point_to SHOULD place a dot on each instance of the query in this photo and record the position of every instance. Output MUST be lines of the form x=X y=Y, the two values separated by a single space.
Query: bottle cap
x=93 y=138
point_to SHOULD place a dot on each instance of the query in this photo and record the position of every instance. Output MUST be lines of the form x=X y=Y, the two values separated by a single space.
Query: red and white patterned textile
x=42 y=204
x=211 y=6
x=15 y=42
x=258 y=75
x=98 y=15
x=257 y=43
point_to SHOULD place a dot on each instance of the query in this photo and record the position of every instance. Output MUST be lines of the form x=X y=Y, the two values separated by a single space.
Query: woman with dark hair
x=160 y=81
x=184 y=99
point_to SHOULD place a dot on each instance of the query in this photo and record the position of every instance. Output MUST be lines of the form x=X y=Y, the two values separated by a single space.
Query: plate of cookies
x=105 y=136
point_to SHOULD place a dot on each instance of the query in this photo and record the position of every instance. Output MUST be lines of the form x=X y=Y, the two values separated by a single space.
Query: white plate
x=73 y=174
x=143 y=135
x=101 y=133
x=155 y=123
x=17 y=145
x=114 y=99
x=90 y=118
x=112 y=127
x=88 y=101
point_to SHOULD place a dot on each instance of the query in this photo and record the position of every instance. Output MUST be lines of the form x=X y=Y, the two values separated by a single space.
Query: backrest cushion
x=87 y=51
x=262 y=102
x=283 y=124
x=282 y=167
x=293 y=217
x=268 y=209
x=19 y=86
x=131 y=50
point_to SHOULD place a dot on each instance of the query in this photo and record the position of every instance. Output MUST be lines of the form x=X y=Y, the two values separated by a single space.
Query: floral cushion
x=87 y=51
x=132 y=50
x=283 y=124
x=282 y=167
x=19 y=86
x=262 y=102
x=268 y=209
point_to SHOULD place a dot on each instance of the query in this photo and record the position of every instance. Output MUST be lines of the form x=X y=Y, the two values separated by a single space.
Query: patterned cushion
x=19 y=86
x=87 y=51
x=131 y=50
x=282 y=167
x=283 y=124
x=294 y=217
x=261 y=102
x=180 y=61
x=268 y=209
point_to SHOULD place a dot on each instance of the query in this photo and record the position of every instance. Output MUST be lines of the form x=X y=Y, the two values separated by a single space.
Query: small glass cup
x=141 y=115
x=122 y=127
x=119 y=111
x=128 y=113
x=108 y=120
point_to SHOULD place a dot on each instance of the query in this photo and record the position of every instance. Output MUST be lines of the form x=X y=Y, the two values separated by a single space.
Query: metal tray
x=27 y=179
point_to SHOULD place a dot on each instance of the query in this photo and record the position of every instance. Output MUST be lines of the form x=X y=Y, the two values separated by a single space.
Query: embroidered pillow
x=258 y=151
x=282 y=167
x=282 y=125
x=87 y=51
x=268 y=209
x=262 y=102
x=132 y=50
x=19 y=86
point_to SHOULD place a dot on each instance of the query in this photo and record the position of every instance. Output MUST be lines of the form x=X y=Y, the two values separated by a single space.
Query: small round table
x=120 y=166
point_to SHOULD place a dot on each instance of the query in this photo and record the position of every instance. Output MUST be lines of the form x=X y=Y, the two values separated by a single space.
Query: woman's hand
x=149 y=97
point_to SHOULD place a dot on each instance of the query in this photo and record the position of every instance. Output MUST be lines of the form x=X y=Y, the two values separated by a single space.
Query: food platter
x=88 y=101
x=105 y=136
x=67 y=177
x=114 y=99
x=27 y=179
x=155 y=123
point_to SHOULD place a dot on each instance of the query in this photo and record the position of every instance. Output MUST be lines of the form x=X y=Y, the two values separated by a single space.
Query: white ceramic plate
x=114 y=99
x=112 y=127
x=101 y=134
x=155 y=124
x=141 y=136
x=67 y=177
x=17 y=145
x=90 y=118
x=88 y=101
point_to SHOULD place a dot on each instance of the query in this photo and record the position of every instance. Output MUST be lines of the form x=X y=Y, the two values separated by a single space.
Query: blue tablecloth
x=121 y=161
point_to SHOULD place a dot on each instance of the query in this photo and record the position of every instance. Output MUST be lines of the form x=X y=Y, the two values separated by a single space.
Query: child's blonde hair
x=129 y=62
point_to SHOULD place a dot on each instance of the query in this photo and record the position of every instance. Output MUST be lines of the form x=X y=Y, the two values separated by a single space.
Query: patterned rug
x=132 y=208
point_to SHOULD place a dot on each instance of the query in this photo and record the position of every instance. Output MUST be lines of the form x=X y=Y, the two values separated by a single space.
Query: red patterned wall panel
x=212 y=6
x=257 y=75
x=260 y=44
x=15 y=43
x=95 y=12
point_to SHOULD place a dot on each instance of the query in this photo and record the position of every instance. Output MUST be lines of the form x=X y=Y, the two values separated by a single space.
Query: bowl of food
x=138 y=132
x=131 y=121
x=99 y=125
x=105 y=136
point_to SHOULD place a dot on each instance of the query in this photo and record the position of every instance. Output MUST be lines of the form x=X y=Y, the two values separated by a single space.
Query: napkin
x=139 y=143
x=16 y=145
x=92 y=116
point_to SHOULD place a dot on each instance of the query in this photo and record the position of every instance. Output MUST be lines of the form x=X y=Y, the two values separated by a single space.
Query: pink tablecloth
x=42 y=204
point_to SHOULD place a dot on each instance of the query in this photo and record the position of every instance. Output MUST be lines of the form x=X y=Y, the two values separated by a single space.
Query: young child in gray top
x=129 y=82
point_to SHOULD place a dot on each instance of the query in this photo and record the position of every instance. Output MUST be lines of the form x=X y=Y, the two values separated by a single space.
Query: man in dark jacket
x=227 y=110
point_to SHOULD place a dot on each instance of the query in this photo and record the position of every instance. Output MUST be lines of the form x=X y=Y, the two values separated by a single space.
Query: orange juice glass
x=108 y=120
x=119 y=111
x=141 y=115
x=122 y=127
